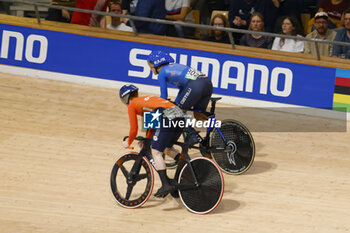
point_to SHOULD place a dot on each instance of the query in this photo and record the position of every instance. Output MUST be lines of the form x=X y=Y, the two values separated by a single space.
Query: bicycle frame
x=135 y=169
x=212 y=117
x=210 y=128
x=184 y=157
x=146 y=151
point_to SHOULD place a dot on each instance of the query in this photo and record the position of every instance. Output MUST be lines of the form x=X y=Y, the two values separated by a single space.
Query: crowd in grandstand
x=326 y=20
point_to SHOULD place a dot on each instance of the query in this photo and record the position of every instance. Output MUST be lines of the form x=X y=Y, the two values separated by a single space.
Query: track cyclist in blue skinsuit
x=195 y=87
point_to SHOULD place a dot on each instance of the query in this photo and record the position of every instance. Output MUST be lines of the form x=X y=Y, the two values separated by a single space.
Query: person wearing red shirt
x=334 y=10
x=90 y=19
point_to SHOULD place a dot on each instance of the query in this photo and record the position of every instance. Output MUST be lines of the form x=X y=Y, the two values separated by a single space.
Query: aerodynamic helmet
x=126 y=91
x=158 y=58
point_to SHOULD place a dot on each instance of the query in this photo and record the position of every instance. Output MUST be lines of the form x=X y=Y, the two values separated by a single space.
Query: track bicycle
x=199 y=182
x=231 y=146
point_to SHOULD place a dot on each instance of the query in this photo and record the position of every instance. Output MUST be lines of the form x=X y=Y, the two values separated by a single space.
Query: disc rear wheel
x=236 y=155
x=205 y=197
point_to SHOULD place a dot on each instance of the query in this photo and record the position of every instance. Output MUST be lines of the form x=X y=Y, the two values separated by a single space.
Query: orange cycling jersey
x=138 y=106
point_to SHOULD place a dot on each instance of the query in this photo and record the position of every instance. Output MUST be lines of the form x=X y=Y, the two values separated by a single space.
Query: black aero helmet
x=126 y=91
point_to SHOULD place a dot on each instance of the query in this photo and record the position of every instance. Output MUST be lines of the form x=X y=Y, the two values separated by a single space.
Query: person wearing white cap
x=321 y=32
x=335 y=9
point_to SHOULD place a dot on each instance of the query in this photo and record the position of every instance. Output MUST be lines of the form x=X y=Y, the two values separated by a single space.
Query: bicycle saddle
x=215 y=99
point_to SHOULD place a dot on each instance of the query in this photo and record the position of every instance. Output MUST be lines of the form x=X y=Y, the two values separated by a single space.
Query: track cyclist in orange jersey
x=163 y=139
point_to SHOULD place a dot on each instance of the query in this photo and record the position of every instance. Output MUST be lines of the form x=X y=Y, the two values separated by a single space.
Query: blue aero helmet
x=158 y=58
x=126 y=91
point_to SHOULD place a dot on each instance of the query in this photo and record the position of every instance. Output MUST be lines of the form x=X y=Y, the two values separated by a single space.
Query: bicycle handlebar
x=129 y=147
x=140 y=138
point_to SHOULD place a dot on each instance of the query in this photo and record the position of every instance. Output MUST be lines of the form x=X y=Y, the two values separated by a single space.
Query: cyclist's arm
x=133 y=123
x=163 y=85
x=149 y=133
x=177 y=97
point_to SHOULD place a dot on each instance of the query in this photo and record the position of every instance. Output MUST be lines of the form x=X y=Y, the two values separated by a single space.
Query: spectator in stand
x=318 y=3
x=285 y=8
x=152 y=9
x=5 y=7
x=60 y=15
x=270 y=14
x=240 y=12
x=254 y=40
x=291 y=27
x=90 y=19
x=116 y=23
x=128 y=8
x=334 y=9
x=321 y=32
x=219 y=20
x=343 y=35
x=178 y=10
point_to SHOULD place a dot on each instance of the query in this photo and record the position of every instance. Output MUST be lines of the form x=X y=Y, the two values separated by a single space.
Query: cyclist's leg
x=162 y=138
x=196 y=94
x=189 y=96
x=206 y=87
x=172 y=152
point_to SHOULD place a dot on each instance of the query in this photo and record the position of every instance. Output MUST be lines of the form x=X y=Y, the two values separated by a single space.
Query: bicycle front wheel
x=237 y=153
x=132 y=180
x=207 y=195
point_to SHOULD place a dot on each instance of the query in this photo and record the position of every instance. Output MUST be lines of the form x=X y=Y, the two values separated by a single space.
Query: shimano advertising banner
x=113 y=59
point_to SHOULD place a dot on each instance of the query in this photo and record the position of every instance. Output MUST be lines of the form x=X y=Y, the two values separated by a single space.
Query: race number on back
x=193 y=74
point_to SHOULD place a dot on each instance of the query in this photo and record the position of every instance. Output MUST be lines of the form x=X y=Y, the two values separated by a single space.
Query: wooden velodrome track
x=58 y=143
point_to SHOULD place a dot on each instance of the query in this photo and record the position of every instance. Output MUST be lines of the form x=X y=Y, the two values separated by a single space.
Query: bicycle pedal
x=164 y=191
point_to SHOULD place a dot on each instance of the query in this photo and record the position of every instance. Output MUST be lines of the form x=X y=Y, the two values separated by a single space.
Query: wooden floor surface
x=58 y=143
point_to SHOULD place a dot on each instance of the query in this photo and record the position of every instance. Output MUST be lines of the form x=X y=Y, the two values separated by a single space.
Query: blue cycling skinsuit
x=195 y=87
